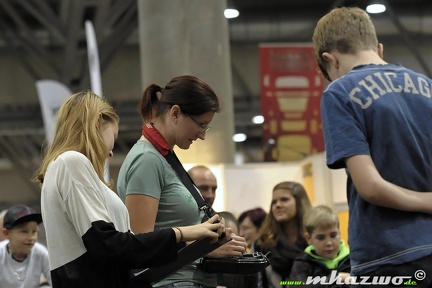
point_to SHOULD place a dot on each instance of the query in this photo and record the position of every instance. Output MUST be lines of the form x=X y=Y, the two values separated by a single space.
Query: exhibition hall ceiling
x=33 y=29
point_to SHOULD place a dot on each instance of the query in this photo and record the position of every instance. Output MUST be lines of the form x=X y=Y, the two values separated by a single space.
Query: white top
x=73 y=197
x=26 y=274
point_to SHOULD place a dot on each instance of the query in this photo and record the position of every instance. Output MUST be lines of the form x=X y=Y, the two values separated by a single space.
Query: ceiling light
x=258 y=119
x=376 y=8
x=231 y=13
x=239 y=137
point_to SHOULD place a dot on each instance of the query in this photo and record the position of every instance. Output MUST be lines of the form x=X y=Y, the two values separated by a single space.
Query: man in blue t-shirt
x=377 y=124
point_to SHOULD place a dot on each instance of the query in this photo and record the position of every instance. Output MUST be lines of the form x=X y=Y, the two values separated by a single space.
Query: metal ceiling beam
x=26 y=37
x=119 y=8
x=16 y=50
x=407 y=39
x=73 y=35
x=27 y=145
x=64 y=11
x=101 y=18
x=22 y=170
x=118 y=36
x=109 y=38
x=46 y=17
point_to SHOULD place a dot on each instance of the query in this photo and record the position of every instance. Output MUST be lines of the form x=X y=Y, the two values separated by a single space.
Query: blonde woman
x=87 y=225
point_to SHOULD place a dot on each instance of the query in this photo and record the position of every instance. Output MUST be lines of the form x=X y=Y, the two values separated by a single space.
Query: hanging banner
x=51 y=95
x=291 y=89
x=93 y=59
x=94 y=71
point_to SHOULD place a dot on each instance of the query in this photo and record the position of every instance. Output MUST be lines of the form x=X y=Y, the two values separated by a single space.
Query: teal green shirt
x=145 y=171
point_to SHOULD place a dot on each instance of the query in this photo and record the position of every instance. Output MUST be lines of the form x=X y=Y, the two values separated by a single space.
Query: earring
x=175 y=120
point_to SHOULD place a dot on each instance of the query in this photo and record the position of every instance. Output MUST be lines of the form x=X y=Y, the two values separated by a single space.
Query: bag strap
x=175 y=163
x=189 y=253
x=185 y=256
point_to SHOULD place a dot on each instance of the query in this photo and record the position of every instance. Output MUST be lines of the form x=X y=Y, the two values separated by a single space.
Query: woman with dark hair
x=250 y=222
x=282 y=232
x=175 y=115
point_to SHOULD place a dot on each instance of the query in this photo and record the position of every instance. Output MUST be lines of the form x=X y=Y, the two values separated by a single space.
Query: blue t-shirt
x=384 y=111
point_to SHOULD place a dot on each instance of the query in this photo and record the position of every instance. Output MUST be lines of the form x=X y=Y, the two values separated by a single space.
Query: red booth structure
x=291 y=89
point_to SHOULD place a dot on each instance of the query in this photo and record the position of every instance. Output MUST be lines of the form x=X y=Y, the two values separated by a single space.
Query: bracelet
x=181 y=234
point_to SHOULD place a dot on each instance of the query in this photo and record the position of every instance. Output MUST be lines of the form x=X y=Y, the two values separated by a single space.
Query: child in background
x=24 y=262
x=326 y=251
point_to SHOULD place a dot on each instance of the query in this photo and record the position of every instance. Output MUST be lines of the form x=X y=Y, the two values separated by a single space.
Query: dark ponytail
x=191 y=94
x=148 y=101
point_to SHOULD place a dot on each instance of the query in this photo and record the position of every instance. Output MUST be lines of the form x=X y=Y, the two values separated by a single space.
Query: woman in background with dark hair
x=176 y=115
x=282 y=232
x=250 y=222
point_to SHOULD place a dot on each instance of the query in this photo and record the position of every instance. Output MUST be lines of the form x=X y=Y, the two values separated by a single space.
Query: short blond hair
x=347 y=30
x=320 y=216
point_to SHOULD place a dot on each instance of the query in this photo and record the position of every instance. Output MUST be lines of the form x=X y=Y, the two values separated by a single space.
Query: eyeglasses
x=204 y=127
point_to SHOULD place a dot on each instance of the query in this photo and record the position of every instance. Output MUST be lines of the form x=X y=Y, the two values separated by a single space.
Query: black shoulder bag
x=249 y=263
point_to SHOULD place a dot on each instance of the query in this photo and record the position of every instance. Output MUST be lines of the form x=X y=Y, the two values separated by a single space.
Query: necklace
x=21 y=275
x=19 y=268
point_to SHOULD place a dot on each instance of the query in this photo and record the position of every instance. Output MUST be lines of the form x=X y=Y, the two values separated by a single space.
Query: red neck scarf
x=155 y=138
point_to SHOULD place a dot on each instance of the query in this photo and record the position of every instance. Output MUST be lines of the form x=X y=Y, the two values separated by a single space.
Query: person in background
x=326 y=251
x=2 y=214
x=87 y=225
x=376 y=124
x=205 y=181
x=282 y=232
x=235 y=280
x=250 y=222
x=175 y=115
x=24 y=262
x=230 y=221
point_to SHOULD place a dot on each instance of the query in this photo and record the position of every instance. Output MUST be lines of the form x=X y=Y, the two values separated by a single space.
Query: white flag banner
x=51 y=94
x=94 y=70
x=93 y=59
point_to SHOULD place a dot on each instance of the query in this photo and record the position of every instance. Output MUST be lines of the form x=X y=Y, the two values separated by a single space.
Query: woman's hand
x=235 y=247
x=208 y=229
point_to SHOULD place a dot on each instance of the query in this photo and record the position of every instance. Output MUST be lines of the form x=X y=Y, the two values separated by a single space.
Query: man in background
x=206 y=182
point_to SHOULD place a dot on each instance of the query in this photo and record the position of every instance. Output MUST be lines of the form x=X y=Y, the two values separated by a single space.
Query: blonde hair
x=346 y=30
x=272 y=230
x=78 y=130
x=320 y=216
